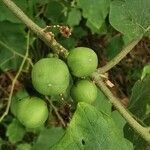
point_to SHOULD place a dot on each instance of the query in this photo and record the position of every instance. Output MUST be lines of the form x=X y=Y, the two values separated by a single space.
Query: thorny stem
x=59 y=49
x=14 y=81
x=56 y=112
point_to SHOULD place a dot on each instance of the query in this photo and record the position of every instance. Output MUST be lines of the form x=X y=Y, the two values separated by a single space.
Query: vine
x=15 y=80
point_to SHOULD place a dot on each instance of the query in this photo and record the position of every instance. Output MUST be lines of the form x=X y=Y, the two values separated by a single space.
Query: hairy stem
x=45 y=36
x=143 y=131
x=118 y=57
x=14 y=81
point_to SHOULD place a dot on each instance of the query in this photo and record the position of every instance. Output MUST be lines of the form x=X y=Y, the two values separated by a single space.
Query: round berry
x=82 y=61
x=50 y=76
x=32 y=112
x=84 y=91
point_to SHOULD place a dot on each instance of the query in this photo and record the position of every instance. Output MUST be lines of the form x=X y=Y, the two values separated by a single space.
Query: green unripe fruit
x=84 y=91
x=22 y=93
x=32 y=112
x=82 y=61
x=13 y=107
x=50 y=76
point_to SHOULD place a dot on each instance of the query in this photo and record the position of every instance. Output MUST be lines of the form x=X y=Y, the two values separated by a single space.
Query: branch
x=118 y=57
x=14 y=81
x=45 y=36
x=143 y=131
x=56 y=112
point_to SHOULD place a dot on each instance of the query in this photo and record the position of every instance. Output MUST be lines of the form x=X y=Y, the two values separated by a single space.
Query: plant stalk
x=118 y=57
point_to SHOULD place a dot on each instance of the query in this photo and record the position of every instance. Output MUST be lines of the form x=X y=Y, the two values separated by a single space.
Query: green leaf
x=146 y=71
x=74 y=17
x=119 y=120
x=114 y=47
x=138 y=142
x=95 y=11
x=33 y=3
x=55 y=12
x=15 y=131
x=130 y=17
x=90 y=129
x=140 y=99
x=79 y=32
x=47 y=138
x=30 y=8
x=12 y=45
x=102 y=29
x=41 y=2
x=9 y=16
x=24 y=147
x=102 y=103
x=68 y=43
x=1 y=143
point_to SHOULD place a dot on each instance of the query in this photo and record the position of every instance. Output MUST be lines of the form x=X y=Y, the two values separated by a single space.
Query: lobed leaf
x=74 y=17
x=130 y=17
x=91 y=129
x=12 y=43
x=140 y=99
x=94 y=11
x=102 y=103
x=47 y=138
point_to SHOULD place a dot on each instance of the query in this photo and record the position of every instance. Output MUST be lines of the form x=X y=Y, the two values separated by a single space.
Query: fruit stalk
x=56 y=112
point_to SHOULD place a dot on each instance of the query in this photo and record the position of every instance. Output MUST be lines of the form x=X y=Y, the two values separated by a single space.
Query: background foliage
x=105 y=26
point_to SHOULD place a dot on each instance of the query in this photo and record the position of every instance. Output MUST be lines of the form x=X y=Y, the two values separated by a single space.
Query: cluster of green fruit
x=51 y=76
